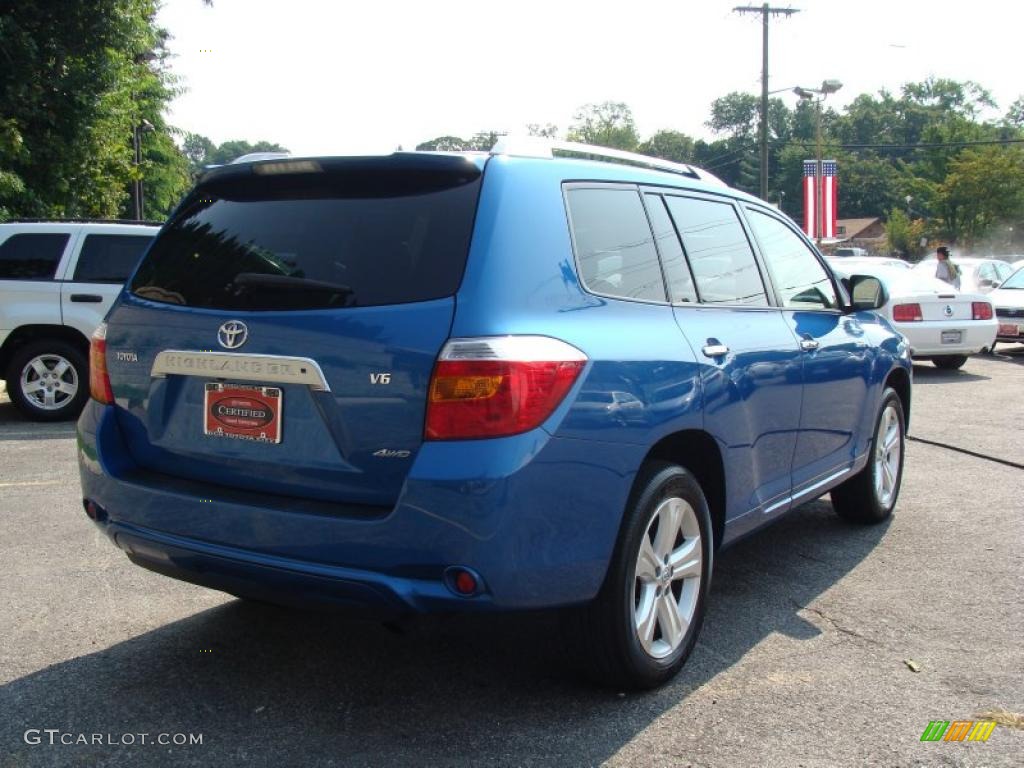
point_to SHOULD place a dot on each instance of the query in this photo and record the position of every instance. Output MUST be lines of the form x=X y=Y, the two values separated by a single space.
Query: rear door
x=327 y=285
x=105 y=259
x=836 y=357
x=29 y=263
x=751 y=372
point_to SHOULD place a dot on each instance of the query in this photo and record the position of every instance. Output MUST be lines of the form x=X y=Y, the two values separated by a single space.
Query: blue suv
x=448 y=382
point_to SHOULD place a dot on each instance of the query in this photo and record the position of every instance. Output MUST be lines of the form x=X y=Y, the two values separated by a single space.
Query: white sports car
x=941 y=325
x=1008 y=299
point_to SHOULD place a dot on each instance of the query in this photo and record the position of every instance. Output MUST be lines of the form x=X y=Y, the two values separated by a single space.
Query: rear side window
x=680 y=282
x=614 y=245
x=31 y=256
x=718 y=250
x=345 y=239
x=800 y=279
x=109 y=258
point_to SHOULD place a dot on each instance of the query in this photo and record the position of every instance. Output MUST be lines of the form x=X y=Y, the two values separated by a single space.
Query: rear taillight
x=981 y=310
x=906 y=313
x=99 y=379
x=491 y=387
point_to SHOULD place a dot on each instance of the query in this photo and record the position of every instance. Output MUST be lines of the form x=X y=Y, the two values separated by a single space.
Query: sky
x=341 y=77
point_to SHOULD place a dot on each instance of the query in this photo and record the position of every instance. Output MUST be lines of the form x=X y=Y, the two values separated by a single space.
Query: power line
x=725 y=156
x=766 y=12
x=922 y=145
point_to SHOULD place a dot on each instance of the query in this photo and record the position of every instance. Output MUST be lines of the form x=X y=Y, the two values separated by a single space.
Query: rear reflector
x=906 y=313
x=464 y=582
x=94 y=511
x=99 y=379
x=981 y=310
x=493 y=387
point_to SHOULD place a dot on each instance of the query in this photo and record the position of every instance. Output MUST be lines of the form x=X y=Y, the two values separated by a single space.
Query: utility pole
x=766 y=11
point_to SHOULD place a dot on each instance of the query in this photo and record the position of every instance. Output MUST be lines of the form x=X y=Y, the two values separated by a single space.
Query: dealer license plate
x=242 y=412
x=951 y=337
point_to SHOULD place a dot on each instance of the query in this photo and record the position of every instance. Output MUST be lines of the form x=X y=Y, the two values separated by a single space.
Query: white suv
x=57 y=281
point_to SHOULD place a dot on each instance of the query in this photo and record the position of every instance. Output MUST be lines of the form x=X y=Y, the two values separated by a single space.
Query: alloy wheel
x=49 y=382
x=667 y=582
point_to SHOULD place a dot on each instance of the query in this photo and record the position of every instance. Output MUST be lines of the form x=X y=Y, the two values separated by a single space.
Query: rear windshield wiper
x=260 y=280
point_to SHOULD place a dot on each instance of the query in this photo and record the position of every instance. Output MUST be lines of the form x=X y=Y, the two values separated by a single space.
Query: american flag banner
x=829 y=197
x=828 y=201
x=810 y=198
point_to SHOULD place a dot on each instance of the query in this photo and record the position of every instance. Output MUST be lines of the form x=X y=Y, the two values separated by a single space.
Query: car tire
x=949 y=362
x=644 y=623
x=48 y=380
x=870 y=495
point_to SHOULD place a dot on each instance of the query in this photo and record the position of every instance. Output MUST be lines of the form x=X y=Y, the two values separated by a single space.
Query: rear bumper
x=1017 y=324
x=926 y=337
x=535 y=516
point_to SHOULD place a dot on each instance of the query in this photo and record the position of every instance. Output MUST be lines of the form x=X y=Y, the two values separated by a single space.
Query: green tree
x=736 y=114
x=608 y=124
x=547 y=130
x=904 y=234
x=669 y=145
x=984 y=189
x=232 y=150
x=482 y=141
x=200 y=152
x=1015 y=114
x=76 y=80
x=197 y=149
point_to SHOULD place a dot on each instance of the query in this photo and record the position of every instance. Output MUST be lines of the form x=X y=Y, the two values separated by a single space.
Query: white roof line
x=536 y=146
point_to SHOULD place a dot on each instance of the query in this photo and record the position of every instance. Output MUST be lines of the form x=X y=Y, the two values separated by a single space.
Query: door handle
x=86 y=298
x=715 y=350
x=809 y=345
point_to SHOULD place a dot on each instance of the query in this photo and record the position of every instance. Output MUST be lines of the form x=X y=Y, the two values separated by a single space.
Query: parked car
x=57 y=281
x=942 y=325
x=977 y=275
x=855 y=262
x=433 y=382
x=850 y=252
x=1008 y=299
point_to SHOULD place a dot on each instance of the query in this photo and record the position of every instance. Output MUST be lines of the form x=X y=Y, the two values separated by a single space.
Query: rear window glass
x=614 y=244
x=31 y=256
x=322 y=241
x=109 y=258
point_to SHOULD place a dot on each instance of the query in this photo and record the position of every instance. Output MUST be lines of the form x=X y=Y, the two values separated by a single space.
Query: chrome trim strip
x=809 y=490
x=776 y=505
x=268 y=369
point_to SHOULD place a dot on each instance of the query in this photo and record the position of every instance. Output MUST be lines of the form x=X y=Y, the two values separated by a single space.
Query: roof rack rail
x=535 y=146
x=76 y=220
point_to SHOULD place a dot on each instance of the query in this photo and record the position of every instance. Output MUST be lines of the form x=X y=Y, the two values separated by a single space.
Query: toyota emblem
x=232 y=334
x=948 y=310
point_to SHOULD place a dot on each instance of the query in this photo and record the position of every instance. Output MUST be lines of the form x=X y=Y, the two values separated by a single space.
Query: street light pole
x=137 y=200
x=807 y=94
x=819 y=203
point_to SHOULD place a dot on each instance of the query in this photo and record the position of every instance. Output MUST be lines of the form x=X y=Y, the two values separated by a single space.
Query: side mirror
x=867 y=292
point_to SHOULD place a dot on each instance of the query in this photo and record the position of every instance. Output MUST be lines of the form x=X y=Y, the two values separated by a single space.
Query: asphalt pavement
x=825 y=643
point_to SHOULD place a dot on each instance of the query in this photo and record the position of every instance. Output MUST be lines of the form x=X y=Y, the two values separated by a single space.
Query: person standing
x=946 y=270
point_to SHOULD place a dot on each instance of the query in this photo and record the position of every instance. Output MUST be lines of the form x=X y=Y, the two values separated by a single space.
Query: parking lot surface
x=805 y=659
